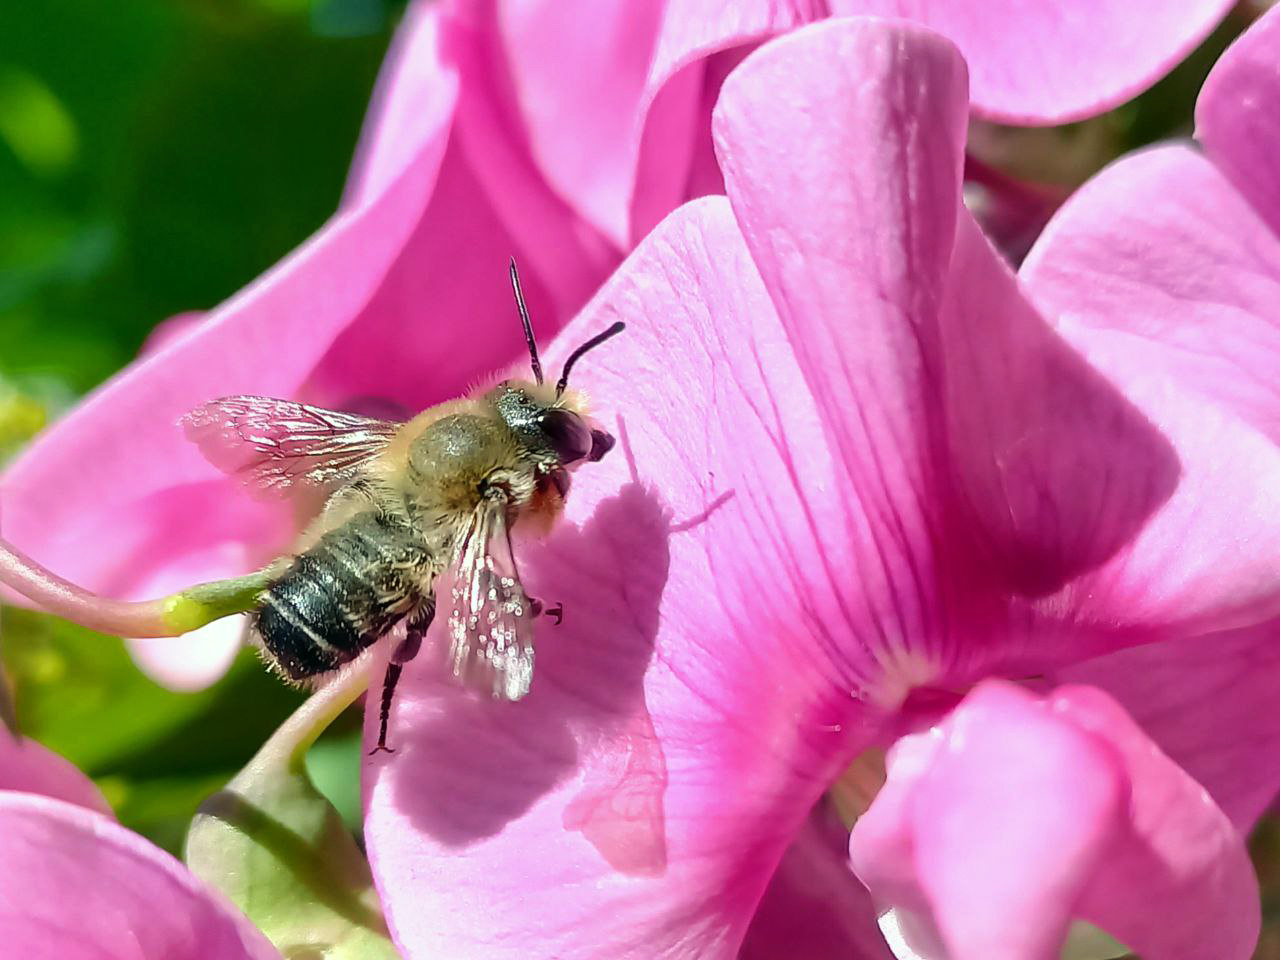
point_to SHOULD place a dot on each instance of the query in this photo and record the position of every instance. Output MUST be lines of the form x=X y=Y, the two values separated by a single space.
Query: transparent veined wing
x=274 y=445
x=490 y=618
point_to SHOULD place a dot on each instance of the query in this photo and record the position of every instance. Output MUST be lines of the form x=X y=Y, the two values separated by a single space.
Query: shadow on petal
x=1056 y=470
x=470 y=765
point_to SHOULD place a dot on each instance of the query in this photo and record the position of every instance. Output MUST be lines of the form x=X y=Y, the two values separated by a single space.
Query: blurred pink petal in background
x=28 y=767
x=77 y=885
x=866 y=475
x=557 y=132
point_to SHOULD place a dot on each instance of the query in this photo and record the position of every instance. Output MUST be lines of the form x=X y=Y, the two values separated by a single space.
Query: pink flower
x=76 y=884
x=556 y=131
x=861 y=473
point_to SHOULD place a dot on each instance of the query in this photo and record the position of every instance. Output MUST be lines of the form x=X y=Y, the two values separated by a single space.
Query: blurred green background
x=156 y=156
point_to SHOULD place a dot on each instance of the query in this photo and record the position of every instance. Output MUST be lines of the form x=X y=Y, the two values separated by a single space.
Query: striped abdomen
x=342 y=595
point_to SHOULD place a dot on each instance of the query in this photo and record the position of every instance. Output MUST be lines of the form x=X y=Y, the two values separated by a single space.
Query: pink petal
x=1235 y=119
x=1056 y=472
x=853 y=237
x=195 y=660
x=28 y=767
x=1178 y=884
x=682 y=720
x=1001 y=820
x=1043 y=63
x=1017 y=816
x=815 y=908
x=443 y=315
x=76 y=885
x=412 y=103
x=999 y=438
x=1209 y=704
x=610 y=93
x=579 y=74
x=1166 y=280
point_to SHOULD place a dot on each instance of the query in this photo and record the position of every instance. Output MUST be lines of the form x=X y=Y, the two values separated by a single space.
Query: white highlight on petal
x=913 y=937
x=901 y=671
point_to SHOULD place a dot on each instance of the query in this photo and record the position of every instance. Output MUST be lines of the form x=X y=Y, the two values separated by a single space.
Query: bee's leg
x=405 y=651
x=538 y=608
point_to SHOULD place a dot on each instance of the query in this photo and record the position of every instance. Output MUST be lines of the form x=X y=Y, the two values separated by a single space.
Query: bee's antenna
x=528 y=326
x=595 y=341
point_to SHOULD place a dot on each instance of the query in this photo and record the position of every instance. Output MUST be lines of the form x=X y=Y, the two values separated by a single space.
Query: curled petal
x=1017 y=816
x=76 y=885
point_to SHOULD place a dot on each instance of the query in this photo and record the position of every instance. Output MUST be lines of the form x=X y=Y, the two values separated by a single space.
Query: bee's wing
x=490 y=617
x=276 y=444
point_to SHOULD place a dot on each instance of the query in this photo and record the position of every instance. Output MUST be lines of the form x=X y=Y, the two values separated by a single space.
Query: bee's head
x=554 y=428
x=552 y=424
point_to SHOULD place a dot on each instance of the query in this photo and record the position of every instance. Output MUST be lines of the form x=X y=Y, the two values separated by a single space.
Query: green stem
x=169 y=616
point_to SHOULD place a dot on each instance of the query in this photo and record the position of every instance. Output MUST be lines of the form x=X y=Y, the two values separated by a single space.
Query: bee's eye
x=569 y=435
x=601 y=443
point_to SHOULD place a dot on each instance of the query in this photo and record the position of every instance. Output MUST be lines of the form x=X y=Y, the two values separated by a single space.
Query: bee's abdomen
x=341 y=596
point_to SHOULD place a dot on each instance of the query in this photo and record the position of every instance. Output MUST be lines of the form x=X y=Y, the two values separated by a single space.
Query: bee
x=408 y=503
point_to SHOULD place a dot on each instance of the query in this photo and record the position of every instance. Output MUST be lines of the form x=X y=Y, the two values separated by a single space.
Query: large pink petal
x=28 y=767
x=1169 y=283
x=1209 y=704
x=1236 y=119
x=1018 y=816
x=1003 y=466
x=687 y=714
x=1042 y=63
x=850 y=215
x=76 y=886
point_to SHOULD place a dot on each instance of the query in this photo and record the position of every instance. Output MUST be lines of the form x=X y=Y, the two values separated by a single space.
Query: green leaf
x=280 y=851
